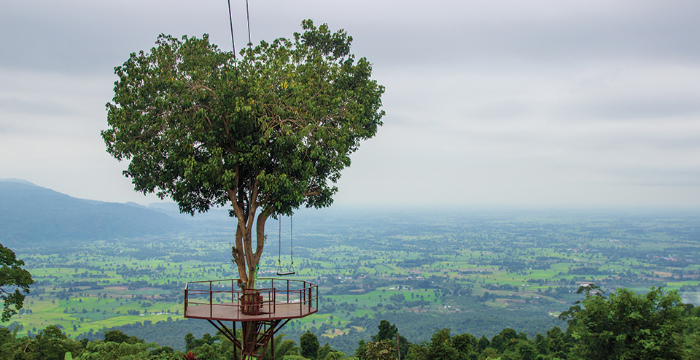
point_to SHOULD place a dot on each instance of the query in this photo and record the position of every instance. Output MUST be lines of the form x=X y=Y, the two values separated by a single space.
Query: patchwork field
x=370 y=267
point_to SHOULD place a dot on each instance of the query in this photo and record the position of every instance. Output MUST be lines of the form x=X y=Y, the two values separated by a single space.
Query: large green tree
x=263 y=134
x=308 y=342
x=388 y=331
x=14 y=282
x=626 y=325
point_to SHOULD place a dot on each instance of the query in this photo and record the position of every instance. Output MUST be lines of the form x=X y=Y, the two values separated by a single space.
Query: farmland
x=480 y=272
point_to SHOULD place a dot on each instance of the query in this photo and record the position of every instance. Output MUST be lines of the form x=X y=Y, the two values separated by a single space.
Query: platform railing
x=260 y=303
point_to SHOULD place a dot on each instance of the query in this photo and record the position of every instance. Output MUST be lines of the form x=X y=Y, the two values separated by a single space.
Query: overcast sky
x=488 y=103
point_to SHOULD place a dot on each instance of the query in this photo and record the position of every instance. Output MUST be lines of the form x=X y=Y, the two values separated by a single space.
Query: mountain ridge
x=34 y=214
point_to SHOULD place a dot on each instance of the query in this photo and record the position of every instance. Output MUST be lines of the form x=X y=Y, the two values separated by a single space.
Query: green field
x=374 y=268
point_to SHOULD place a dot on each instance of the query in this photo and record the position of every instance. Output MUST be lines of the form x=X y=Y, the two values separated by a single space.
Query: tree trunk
x=247 y=260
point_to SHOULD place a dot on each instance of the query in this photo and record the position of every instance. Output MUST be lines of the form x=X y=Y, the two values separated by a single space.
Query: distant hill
x=171 y=208
x=30 y=213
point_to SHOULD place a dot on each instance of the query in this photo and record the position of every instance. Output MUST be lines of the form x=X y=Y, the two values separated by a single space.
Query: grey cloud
x=506 y=109
x=14 y=105
x=96 y=36
x=576 y=102
x=660 y=33
x=646 y=176
x=631 y=109
x=88 y=36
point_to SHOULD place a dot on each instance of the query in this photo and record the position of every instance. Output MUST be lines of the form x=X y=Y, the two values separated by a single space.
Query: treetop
x=271 y=130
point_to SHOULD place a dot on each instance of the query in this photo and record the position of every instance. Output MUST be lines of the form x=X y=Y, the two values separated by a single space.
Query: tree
x=192 y=342
x=51 y=344
x=387 y=331
x=482 y=343
x=263 y=135
x=557 y=343
x=97 y=350
x=324 y=350
x=335 y=355
x=118 y=336
x=527 y=350
x=443 y=347
x=309 y=345
x=361 y=350
x=626 y=325
x=12 y=279
x=380 y=350
x=286 y=347
x=504 y=339
x=464 y=343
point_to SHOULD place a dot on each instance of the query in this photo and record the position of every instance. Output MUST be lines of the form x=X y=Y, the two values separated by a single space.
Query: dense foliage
x=14 y=282
x=623 y=325
x=626 y=325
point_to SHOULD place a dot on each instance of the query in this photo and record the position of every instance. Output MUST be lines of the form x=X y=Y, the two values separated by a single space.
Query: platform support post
x=235 y=350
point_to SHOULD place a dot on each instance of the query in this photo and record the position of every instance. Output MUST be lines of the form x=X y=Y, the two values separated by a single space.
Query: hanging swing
x=289 y=270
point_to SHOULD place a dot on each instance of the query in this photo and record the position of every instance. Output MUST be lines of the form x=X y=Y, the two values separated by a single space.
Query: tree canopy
x=13 y=282
x=626 y=325
x=263 y=134
x=309 y=345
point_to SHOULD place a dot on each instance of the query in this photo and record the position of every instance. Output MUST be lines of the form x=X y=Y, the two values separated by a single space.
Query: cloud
x=14 y=105
x=502 y=102
x=82 y=36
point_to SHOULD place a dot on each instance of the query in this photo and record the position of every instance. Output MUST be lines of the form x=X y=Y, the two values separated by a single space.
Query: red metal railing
x=223 y=300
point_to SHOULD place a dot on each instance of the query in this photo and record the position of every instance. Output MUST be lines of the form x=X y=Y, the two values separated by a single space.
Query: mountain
x=171 y=208
x=30 y=213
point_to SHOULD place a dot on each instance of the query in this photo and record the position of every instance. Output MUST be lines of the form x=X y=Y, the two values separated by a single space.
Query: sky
x=524 y=104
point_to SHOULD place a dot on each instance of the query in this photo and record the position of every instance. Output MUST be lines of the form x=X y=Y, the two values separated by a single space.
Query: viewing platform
x=273 y=299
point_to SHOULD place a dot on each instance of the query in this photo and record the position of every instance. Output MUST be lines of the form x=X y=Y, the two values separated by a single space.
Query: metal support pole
x=235 y=353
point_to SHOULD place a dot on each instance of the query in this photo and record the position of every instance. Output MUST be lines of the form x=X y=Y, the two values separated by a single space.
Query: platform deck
x=232 y=312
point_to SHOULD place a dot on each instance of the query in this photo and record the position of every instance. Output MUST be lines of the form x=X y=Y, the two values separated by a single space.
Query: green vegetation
x=472 y=274
x=14 y=283
x=624 y=325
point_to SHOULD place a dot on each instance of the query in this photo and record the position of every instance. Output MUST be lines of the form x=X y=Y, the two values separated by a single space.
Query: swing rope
x=230 y=21
x=247 y=16
x=290 y=269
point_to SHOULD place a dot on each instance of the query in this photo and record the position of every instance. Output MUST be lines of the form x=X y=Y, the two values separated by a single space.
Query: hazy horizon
x=433 y=210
